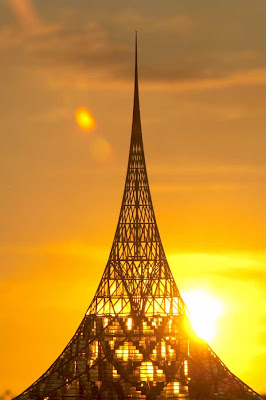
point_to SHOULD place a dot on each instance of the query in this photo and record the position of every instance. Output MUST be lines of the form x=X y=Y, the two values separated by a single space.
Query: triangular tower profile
x=135 y=341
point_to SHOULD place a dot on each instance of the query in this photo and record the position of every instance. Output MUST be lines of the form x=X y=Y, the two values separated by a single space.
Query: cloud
x=26 y=14
x=62 y=57
x=61 y=113
x=30 y=261
x=77 y=56
x=206 y=187
x=247 y=77
x=226 y=169
x=242 y=267
x=233 y=266
x=177 y=23
x=217 y=178
x=74 y=248
x=258 y=276
x=28 y=18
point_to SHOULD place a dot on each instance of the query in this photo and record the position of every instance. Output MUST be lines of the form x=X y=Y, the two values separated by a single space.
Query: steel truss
x=135 y=340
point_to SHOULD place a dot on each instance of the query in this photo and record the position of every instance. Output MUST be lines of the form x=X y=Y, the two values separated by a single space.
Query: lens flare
x=84 y=119
x=101 y=150
x=204 y=311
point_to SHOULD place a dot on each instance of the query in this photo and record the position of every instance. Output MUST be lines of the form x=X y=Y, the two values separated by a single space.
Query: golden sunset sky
x=202 y=77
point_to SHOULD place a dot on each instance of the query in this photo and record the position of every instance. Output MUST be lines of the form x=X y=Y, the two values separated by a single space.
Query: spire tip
x=136 y=46
x=136 y=125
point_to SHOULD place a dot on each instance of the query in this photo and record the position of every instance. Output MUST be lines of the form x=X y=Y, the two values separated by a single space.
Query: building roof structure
x=136 y=341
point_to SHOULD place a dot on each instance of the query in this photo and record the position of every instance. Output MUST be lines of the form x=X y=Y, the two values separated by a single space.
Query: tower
x=135 y=341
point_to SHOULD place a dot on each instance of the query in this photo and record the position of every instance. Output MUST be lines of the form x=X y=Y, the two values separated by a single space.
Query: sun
x=204 y=311
x=84 y=119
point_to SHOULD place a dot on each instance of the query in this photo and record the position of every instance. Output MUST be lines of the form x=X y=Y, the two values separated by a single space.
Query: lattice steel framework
x=135 y=340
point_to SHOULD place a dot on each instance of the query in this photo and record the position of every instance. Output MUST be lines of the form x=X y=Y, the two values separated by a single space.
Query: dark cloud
x=173 y=47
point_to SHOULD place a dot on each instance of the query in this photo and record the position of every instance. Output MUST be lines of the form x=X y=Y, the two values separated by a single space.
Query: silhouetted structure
x=135 y=340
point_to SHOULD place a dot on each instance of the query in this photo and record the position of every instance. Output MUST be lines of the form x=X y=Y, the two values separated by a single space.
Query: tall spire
x=136 y=123
x=137 y=278
x=134 y=342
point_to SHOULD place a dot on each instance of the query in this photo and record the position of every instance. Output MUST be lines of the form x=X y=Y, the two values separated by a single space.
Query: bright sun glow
x=204 y=311
x=85 y=119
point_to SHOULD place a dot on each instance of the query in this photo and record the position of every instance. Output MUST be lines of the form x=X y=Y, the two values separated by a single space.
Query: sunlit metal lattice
x=135 y=340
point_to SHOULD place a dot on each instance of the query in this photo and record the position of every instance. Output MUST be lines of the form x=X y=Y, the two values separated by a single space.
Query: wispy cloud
x=217 y=178
x=247 y=77
x=178 y=23
x=77 y=56
x=243 y=267
x=74 y=248
x=26 y=14
x=225 y=169
x=195 y=187
x=258 y=276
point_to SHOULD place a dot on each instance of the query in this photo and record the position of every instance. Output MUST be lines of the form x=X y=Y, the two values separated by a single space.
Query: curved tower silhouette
x=135 y=341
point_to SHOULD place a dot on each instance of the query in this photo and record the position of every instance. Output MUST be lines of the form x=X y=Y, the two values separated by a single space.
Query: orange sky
x=202 y=71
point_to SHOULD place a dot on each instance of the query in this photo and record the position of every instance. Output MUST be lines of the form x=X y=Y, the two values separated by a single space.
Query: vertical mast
x=137 y=278
x=136 y=123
